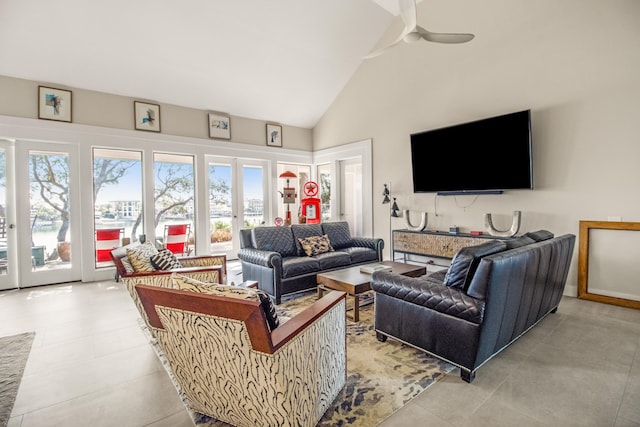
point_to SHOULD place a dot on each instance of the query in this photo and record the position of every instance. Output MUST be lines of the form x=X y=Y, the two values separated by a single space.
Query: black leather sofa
x=490 y=296
x=274 y=257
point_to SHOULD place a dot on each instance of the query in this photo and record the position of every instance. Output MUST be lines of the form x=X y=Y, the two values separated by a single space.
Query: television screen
x=488 y=155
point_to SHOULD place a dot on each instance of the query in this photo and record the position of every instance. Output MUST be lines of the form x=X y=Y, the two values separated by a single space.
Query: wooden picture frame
x=146 y=116
x=274 y=135
x=583 y=262
x=54 y=104
x=219 y=126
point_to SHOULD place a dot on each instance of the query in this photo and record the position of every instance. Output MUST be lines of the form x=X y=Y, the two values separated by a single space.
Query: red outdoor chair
x=106 y=240
x=176 y=238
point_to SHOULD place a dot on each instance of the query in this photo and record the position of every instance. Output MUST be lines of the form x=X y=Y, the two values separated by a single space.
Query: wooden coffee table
x=355 y=283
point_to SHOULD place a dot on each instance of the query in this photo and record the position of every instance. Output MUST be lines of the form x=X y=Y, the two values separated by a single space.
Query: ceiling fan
x=413 y=32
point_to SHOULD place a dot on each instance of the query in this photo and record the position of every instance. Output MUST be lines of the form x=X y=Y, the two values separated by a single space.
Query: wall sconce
x=394 y=209
x=385 y=193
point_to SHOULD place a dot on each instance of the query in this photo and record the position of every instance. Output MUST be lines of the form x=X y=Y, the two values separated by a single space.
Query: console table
x=437 y=244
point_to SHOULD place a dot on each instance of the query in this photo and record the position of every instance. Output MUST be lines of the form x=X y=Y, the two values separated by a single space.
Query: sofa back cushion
x=539 y=235
x=466 y=261
x=338 y=232
x=304 y=231
x=518 y=242
x=274 y=239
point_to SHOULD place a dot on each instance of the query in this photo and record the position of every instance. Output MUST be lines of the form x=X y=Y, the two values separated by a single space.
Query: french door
x=8 y=259
x=237 y=189
x=47 y=238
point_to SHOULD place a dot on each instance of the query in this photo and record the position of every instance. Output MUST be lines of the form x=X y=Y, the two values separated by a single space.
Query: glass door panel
x=303 y=175
x=253 y=195
x=221 y=218
x=49 y=244
x=174 y=202
x=117 y=201
x=324 y=181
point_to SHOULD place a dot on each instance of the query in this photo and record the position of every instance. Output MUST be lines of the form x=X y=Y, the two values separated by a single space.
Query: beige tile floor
x=91 y=366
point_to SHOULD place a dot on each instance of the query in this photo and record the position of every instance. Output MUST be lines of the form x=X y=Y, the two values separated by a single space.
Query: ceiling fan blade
x=449 y=38
x=380 y=51
x=409 y=13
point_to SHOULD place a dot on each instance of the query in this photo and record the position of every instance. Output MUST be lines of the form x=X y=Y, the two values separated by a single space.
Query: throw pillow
x=316 y=245
x=140 y=257
x=165 y=260
x=127 y=265
x=184 y=283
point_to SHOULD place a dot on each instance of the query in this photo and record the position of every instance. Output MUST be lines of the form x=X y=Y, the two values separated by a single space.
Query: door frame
x=9 y=279
x=27 y=276
x=361 y=150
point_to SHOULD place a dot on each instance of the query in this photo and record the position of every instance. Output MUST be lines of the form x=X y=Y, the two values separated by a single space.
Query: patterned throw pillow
x=165 y=260
x=127 y=265
x=316 y=245
x=140 y=257
x=184 y=283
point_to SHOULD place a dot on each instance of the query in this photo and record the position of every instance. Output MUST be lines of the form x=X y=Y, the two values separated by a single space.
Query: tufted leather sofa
x=274 y=257
x=491 y=295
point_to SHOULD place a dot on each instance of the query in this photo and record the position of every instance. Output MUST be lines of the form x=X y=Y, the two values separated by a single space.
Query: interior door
x=48 y=220
x=351 y=194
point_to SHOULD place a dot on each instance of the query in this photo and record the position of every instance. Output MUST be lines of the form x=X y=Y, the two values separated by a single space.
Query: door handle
x=12 y=226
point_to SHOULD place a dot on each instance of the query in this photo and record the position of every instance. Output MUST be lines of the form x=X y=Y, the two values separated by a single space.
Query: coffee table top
x=352 y=277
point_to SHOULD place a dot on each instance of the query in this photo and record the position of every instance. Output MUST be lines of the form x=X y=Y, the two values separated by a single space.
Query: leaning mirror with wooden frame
x=608 y=271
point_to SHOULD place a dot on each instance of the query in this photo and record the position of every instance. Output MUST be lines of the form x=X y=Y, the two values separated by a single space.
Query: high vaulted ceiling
x=276 y=60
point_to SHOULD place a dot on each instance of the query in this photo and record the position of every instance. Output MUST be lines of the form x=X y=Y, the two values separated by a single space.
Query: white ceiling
x=278 y=60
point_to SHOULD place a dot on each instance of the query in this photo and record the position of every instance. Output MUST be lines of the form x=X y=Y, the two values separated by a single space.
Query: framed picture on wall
x=147 y=116
x=274 y=135
x=219 y=126
x=54 y=104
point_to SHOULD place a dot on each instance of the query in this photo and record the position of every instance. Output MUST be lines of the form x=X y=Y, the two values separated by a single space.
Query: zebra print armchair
x=232 y=367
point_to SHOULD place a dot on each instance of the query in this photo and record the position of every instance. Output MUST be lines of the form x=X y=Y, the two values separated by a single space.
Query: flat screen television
x=483 y=156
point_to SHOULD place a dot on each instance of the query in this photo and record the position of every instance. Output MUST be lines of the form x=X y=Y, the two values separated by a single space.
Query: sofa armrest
x=263 y=258
x=430 y=294
x=368 y=242
x=290 y=329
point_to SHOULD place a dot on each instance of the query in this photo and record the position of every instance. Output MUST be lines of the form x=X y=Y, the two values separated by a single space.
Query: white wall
x=20 y=99
x=574 y=63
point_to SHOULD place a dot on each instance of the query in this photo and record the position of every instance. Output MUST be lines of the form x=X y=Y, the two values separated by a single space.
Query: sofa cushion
x=296 y=266
x=360 y=254
x=140 y=257
x=466 y=261
x=338 y=232
x=539 y=235
x=316 y=245
x=330 y=260
x=185 y=283
x=274 y=239
x=519 y=242
x=302 y=231
x=164 y=260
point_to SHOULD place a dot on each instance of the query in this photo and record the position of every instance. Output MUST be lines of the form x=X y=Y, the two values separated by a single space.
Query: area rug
x=381 y=377
x=14 y=352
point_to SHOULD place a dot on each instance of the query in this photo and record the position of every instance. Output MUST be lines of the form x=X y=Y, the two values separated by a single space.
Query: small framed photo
x=274 y=135
x=147 y=116
x=54 y=104
x=219 y=126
